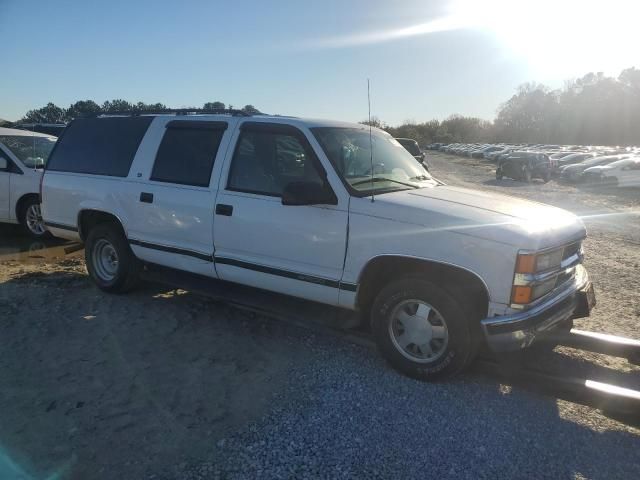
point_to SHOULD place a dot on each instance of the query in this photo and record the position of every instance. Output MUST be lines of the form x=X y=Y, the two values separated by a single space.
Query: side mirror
x=308 y=193
x=4 y=165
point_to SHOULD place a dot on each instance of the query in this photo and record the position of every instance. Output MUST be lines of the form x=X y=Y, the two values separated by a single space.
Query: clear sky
x=425 y=59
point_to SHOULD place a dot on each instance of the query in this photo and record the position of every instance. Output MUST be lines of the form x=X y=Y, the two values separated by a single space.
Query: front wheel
x=110 y=261
x=421 y=330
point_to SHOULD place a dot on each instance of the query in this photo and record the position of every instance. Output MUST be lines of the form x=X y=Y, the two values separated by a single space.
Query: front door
x=296 y=250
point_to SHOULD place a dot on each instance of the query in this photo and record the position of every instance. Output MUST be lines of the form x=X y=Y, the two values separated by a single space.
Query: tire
x=111 y=264
x=526 y=175
x=546 y=177
x=30 y=218
x=451 y=348
x=499 y=175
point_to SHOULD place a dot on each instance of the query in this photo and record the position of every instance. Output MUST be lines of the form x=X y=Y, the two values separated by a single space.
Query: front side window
x=265 y=162
x=353 y=153
x=186 y=154
x=32 y=151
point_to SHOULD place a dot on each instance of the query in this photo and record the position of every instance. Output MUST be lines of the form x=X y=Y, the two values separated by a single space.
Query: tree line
x=52 y=113
x=592 y=110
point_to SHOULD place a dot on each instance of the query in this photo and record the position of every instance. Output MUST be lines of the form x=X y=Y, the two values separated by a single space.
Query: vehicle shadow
x=152 y=377
x=117 y=386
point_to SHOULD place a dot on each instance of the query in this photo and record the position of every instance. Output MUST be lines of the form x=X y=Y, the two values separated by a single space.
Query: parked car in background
x=573 y=158
x=436 y=271
x=574 y=173
x=483 y=151
x=561 y=154
x=413 y=148
x=23 y=155
x=623 y=173
x=495 y=154
x=525 y=166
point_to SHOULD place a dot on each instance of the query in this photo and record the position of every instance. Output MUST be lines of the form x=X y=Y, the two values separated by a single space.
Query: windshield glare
x=32 y=151
x=349 y=150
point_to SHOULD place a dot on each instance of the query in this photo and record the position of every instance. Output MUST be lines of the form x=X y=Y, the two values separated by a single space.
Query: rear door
x=173 y=202
x=297 y=250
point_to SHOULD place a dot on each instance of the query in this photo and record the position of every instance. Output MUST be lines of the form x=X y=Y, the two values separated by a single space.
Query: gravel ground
x=163 y=384
x=348 y=416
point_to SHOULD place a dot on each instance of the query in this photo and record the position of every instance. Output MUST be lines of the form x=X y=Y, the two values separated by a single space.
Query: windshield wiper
x=382 y=179
x=421 y=177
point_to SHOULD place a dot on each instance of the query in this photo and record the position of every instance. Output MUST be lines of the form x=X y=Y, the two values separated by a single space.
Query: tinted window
x=264 y=162
x=99 y=146
x=187 y=153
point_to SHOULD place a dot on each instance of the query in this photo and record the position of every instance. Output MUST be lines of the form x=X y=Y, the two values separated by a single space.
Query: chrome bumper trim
x=518 y=330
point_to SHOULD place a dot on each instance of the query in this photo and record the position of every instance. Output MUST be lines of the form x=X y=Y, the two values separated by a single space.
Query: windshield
x=349 y=150
x=32 y=151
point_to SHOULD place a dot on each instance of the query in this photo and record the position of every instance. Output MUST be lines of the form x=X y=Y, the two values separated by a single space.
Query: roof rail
x=177 y=111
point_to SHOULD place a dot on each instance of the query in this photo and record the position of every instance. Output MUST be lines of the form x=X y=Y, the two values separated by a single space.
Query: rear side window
x=99 y=146
x=187 y=152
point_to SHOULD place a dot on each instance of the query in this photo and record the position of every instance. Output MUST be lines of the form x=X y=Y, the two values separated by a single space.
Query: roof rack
x=177 y=111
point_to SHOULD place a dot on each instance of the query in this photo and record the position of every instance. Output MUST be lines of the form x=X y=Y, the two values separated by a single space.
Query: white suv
x=326 y=211
x=22 y=158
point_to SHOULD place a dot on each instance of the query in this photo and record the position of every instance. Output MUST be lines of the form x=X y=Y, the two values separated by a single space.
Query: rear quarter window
x=99 y=146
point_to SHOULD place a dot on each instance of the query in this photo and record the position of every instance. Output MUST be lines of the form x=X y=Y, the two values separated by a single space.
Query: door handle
x=146 y=197
x=222 y=209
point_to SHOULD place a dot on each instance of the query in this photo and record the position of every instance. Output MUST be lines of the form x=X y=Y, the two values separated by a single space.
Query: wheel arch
x=90 y=217
x=22 y=200
x=382 y=269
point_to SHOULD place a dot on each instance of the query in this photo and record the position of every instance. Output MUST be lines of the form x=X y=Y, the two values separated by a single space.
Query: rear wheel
x=31 y=218
x=546 y=176
x=499 y=175
x=110 y=261
x=422 y=330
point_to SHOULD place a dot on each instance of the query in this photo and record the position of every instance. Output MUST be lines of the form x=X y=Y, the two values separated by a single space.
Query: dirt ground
x=102 y=386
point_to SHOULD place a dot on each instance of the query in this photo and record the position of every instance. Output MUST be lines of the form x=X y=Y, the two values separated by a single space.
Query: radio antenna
x=370 y=138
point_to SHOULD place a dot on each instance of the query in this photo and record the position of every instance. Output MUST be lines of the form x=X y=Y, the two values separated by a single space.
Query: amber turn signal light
x=521 y=294
x=526 y=263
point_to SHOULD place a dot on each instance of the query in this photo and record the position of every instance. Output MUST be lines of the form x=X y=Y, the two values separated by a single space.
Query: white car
x=326 y=211
x=623 y=173
x=22 y=158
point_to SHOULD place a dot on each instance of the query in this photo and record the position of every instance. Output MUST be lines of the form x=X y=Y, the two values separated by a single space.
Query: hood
x=491 y=216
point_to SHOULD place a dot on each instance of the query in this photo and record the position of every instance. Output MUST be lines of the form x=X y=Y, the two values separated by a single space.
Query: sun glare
x=555 y=38
x=559 y=36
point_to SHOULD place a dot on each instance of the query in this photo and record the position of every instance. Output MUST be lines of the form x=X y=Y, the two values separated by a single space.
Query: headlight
x=537 y=274
x=539 y=262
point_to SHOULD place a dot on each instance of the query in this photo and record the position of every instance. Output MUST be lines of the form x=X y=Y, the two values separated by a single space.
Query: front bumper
x=518 y=330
